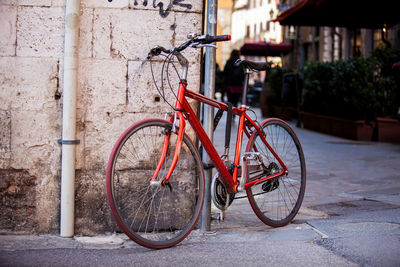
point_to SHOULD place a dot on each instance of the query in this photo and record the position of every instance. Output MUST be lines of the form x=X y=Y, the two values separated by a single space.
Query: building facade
x=332 y=43
x=247 y=21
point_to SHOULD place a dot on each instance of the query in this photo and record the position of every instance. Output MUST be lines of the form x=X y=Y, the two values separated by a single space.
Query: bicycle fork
x=180 y=132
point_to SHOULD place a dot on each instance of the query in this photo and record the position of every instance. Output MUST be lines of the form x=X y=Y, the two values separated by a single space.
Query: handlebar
x=194 y=41
x=208 y=39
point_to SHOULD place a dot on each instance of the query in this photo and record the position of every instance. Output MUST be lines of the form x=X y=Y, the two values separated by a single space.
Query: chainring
x=219 y=194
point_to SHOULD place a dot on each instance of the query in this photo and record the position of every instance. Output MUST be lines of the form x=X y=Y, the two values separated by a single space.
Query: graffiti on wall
x=163 y=7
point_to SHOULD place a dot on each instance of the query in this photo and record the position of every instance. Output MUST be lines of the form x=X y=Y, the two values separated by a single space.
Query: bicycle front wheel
x=276 y=202
x=153 y=215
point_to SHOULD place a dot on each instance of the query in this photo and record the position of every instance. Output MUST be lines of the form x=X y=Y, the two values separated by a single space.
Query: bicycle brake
x=174 y=123
x=167 y=184
x=170 y=114
x=204 y=45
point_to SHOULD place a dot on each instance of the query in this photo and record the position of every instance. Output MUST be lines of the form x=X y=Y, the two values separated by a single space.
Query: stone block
x=142 y=93
x=187 y=23
x=102 y=87
x=17 y=201
x=102 y=134
x=102 y=94
x=58 y=3
x=34 y=138
x=166 y=7
x=41 y=3
x=27 y=83
x=129 y=34
x=105 y=3
x=48 y=202
x=40 y=31
x=8 y=2
x=5 y=139
x=93 y=214
x=8 y=35
x=85 y=33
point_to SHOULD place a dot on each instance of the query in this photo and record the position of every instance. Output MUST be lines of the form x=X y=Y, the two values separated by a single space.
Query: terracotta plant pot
x=351 y=129
x=388 y=130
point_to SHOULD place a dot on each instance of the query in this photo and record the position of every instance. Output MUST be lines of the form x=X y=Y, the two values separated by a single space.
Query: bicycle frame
x=185 y=112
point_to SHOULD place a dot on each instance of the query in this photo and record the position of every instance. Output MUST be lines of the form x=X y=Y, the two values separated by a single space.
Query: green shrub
x=356 y=88
x=387 y=81
x=275 y=79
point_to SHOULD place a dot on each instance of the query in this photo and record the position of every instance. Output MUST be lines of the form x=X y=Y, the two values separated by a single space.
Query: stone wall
x=115 y=90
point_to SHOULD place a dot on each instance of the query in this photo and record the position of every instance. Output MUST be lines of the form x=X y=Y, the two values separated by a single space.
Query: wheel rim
x=277 y=201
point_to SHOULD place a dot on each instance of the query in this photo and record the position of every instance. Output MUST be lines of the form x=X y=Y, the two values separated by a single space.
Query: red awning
x=342 y=13
x=265 y=49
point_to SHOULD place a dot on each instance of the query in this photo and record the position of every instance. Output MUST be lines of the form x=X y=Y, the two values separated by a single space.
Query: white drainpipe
x=69 y=118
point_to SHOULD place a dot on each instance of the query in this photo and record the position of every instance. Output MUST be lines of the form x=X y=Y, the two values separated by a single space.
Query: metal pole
x=209 y=89
x=67 y=218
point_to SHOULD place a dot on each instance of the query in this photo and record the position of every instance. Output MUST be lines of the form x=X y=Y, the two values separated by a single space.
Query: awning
x=265 y=49
x=342 y=13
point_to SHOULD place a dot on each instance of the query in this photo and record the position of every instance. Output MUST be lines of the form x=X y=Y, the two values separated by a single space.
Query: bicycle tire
x=276 y=202
x=154 y=216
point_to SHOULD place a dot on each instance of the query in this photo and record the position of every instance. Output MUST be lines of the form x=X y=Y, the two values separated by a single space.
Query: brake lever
x=155 y=51
x=203 y=45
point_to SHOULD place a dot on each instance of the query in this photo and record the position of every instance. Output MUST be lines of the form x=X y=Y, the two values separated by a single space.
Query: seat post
x=245 y=86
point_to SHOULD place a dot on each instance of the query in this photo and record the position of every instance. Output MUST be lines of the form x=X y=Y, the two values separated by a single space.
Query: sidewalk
x=350 y=216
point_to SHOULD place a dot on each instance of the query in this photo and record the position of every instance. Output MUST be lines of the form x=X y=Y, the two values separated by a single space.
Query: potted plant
x=342 y=94
x=272 y=100
x=388 y=92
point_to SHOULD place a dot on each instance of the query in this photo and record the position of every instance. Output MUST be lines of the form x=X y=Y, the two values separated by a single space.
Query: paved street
x=350 y=217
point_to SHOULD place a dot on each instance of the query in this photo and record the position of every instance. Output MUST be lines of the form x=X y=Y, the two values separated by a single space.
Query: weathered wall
x=115 y=90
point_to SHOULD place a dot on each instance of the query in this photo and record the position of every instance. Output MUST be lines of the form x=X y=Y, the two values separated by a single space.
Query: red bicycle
x=155 y=175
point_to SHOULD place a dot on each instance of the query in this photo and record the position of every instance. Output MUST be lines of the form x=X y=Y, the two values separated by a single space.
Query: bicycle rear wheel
x=152 y=215
x=276 y=202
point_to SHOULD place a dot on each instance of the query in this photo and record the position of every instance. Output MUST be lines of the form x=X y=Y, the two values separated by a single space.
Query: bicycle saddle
x=258 y=66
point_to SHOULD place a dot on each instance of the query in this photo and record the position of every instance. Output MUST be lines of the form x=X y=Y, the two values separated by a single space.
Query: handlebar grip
x=220 y=38
x=208 y=39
